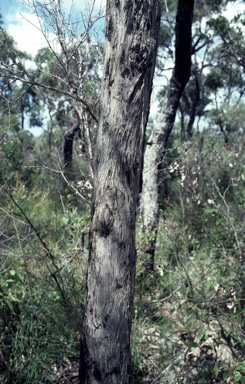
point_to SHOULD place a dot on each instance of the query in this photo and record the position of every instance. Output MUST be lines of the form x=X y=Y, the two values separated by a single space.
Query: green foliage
x=190 y=309
x=220 y=25
x=32 y=337
x=15 y=151
x=214 y=79
x=41 y=284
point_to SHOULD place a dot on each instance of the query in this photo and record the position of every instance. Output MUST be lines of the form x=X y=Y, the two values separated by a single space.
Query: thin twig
x=50 y=88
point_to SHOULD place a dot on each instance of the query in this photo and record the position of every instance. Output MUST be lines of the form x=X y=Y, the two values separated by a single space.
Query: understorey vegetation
x=188 y=322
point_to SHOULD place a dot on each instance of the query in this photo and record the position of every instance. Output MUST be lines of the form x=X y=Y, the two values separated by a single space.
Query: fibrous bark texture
x=130 y=52
x=154 y=153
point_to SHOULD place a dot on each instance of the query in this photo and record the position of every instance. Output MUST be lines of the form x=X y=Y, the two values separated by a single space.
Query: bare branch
x=16 y=77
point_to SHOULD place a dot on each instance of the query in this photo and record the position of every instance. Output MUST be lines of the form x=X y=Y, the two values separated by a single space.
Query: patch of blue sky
x=24 y=25
x=31 y=34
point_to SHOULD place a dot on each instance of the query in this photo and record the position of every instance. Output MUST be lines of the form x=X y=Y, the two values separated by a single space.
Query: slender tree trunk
x=193 y=109
x=154 y=154
x=130 y=54
x=182 y=125
x=69 y=137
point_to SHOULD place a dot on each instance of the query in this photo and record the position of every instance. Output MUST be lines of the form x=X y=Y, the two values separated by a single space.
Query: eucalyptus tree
x=74 y=67
x=73 y=71
x=217 y=83
x=15 y=143
x=225 y=80
x=131 y=34
x=156 y=145
x=192 y=98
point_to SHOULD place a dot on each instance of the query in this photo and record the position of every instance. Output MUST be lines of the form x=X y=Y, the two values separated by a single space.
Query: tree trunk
x=68 y=142
x=130 y=54
x=193 y=109
x=155 y=150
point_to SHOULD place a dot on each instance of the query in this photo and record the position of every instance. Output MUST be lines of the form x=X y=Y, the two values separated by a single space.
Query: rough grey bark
x=157 y=143
x=130 y=54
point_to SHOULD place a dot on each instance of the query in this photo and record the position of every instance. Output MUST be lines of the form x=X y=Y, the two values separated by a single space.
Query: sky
x=24 y=27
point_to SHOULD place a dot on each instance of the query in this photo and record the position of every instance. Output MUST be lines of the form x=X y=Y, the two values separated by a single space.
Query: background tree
x=73 y=72
x=15 y=143
x=156 y=145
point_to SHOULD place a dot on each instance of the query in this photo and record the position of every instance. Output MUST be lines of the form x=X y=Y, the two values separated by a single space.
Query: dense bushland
x=189 y=311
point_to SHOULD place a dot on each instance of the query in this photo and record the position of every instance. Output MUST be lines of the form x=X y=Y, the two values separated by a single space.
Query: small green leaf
x=65 y=220
x=240 y=367
x=207 y=335
x=238 y=376
x=12 y=272
x=226 y=374
x=216 y=370
x=200 y=334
